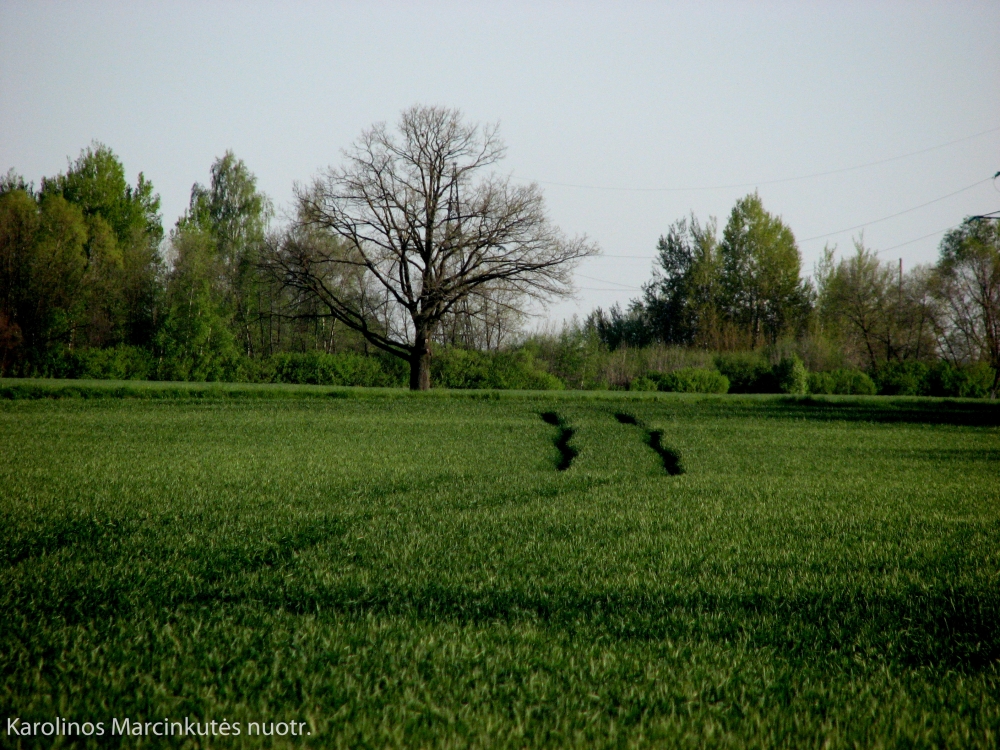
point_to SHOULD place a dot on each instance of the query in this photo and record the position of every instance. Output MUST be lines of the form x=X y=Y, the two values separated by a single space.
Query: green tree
x=18 y=230
x=967 y=283
x=13 y=181
x=680 y=300
x=195 y=341
x=236 y=215
x=759 y=286
x=54 y=293
x=622 y=328
x=853 y=300
x=124 y=235
x=42 y=263
x=60 y=261
x=96 y=183
x=878 y=314
x=106 y=307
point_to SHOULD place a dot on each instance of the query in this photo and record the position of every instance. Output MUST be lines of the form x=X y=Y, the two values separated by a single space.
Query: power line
x=893 y=216
x=626 y=287
x=882 y=250
x=757 y=183
x=857 y=226
x=989 y=215
x=611 y=255
x=910 y=242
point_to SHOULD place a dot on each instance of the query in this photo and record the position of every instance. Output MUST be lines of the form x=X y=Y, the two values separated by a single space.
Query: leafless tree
x=488 y=319
x=414 y=225
x=968 y=287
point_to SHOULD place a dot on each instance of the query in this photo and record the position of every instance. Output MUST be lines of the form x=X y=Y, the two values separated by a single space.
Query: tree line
x=85 y=265
x=744 y=291
x=413 y=246
x=414 y=242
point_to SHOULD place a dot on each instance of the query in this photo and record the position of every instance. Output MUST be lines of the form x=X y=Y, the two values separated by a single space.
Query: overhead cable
x=625 y=287
x=900 y=213
x=917 y=239
x=758 y=183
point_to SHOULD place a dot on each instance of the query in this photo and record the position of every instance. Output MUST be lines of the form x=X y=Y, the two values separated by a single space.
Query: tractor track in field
x=564 y=434
x=670 y=457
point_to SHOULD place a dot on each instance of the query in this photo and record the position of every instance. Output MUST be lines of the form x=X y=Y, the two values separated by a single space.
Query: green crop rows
x=416 y=571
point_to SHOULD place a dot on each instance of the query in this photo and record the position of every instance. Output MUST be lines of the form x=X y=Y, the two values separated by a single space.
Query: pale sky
x=629 y=115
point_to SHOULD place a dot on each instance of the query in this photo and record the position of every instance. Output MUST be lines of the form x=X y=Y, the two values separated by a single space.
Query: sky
x=881 y=118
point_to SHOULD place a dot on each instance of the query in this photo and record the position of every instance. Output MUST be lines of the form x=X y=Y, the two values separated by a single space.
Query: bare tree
x=488 y=319
x=421 y=227
x=968 y=287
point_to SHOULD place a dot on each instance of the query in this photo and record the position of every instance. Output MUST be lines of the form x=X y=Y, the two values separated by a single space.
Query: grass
x=415 y=571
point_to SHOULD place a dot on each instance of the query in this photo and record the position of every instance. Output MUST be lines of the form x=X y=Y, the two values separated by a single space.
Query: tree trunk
x=420 y=362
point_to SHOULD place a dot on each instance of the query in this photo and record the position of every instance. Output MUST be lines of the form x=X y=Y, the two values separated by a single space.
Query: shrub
x=854 y=382
x=902 y=379
x=120 y=362
x=225 y=365
x=642 y=384
x=57 y=362
x=821 y=383
x=575 y=357
x=791 y=375
x=969 y=381
x=694 y=380
x=942 y=378
x=841 y=382
x=465 y=368
x=748 y=372
x=320 y=368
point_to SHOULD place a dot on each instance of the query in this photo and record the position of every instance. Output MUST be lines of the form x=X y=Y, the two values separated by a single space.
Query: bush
x=791 y=375
x=748 y=372
x=970 y=381
x=694 y=380
x=939 y=379
x=841 y=382
x=575 y=357
x=853 y=382
x=902 y=379
x=642 y=384
x=320 y=368
x=120 y=362
x=225 y=365
x=465 y=368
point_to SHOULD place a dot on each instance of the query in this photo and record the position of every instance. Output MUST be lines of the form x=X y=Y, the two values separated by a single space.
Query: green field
x=393 y=570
